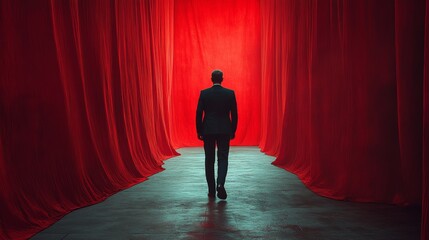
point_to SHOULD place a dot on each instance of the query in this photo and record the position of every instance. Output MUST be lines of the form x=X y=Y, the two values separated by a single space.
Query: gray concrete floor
x=264 y=202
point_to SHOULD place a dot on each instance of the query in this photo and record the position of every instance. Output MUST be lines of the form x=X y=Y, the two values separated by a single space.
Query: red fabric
x=82 y=101
x=216 y=34
x=425 y=167
x=344 y=85
x=345 y=93
x=275 y=30
x=352 y=78
x=95 y=94
x=409 y=46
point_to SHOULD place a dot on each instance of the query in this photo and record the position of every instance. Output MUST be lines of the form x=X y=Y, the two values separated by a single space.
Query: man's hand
x=200 y=136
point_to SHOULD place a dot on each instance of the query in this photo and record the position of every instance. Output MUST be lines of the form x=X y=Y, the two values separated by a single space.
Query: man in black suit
x=216 y=128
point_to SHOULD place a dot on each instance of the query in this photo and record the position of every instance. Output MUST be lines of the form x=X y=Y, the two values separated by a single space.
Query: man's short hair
x=217 y=76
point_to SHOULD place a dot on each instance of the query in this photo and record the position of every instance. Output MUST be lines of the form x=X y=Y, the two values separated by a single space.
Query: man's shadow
x=215 y=217
x=216 y=222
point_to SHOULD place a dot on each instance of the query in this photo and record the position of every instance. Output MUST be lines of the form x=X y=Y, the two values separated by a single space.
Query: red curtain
x=83 y=86
x=347 y=80
x=344 y=85
x=216 y=34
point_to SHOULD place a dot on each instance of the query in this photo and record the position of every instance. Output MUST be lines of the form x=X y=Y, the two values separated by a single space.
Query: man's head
x=217 y=76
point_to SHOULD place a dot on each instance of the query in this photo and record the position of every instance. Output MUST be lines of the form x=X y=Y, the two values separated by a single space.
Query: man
x=216 y=128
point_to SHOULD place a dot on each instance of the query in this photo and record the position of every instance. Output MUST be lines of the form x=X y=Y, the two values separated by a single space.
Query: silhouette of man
x=216 y=125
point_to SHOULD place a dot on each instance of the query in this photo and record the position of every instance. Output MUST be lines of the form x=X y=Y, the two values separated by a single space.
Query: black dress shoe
x=221 y=193
x=211 y=195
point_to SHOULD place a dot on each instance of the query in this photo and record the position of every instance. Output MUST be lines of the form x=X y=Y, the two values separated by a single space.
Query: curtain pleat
x=425 y=165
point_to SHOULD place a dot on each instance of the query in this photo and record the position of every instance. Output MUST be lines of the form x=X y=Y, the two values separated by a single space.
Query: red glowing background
x=216 y=35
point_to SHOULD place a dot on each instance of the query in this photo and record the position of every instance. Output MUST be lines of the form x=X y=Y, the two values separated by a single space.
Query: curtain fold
x=409 y=46
x=274 y=45
x=425 y=165
x=82 y=101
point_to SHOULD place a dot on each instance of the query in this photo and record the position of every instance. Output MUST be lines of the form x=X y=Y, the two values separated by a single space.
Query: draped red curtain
x=95 y=94
x=341 y=124
x=344 y=85
x=216 y=34
x=83 y=86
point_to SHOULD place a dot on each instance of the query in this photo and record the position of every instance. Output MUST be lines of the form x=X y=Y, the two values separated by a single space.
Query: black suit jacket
x=220 y=111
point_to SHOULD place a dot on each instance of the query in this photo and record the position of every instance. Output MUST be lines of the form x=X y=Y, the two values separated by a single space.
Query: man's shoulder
x=218 y=88
x=204 y=91
x=222 y=89
x=229 y=90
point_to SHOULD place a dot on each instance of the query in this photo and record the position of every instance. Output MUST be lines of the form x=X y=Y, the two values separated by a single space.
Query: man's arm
x=234 y=115
x=199 y=118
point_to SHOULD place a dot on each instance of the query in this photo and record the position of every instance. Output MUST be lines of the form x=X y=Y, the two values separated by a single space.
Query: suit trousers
x=210 y=143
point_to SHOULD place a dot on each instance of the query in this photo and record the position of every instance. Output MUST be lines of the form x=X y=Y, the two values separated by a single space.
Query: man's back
x=220 y=111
